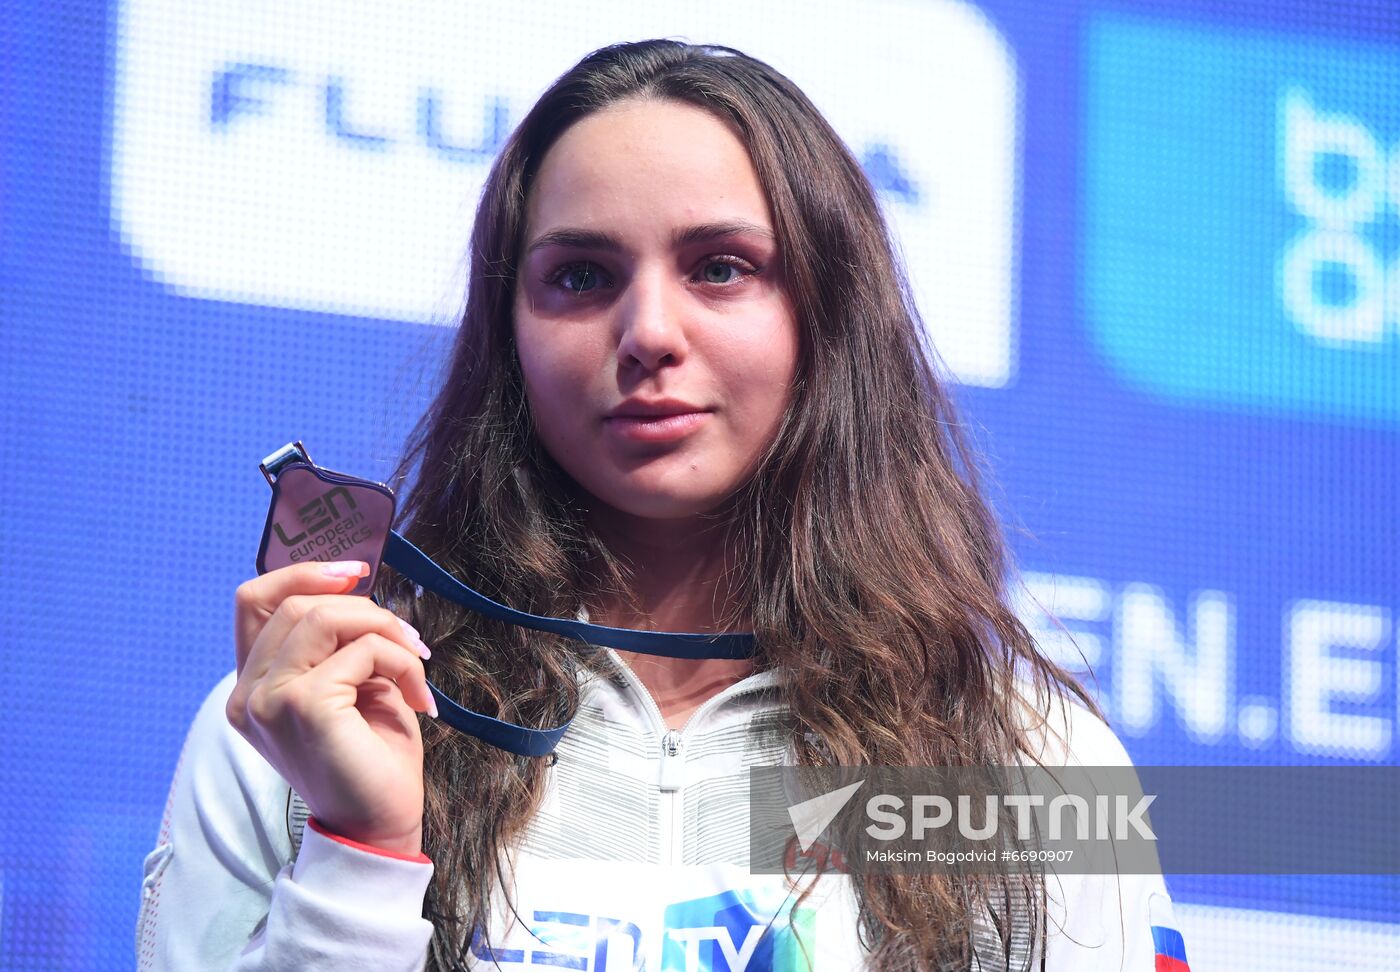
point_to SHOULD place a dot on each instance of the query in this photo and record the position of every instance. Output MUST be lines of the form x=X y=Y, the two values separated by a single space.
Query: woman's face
x=656 y=341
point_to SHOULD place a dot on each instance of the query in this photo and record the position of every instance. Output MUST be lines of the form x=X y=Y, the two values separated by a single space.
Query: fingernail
x=432 y=706
x=346 y=568
x=423 y=651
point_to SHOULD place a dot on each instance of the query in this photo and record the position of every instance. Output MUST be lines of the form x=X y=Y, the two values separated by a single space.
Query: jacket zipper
x=671 y=774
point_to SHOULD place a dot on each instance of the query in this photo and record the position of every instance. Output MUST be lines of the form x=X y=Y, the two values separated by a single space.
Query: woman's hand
x=327 y=687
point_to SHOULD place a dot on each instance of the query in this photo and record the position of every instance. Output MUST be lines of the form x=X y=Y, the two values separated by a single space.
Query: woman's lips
x=654 y=428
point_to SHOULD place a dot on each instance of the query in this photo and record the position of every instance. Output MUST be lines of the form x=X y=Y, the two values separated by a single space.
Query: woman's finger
x=367 y=656
x=305 y=630
x=256 y=600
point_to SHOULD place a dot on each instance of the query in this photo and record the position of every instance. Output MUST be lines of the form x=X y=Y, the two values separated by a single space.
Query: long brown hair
x=872 y=570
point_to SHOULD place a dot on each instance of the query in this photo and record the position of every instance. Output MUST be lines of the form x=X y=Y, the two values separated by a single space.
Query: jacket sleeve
x=1105 y=922
x=221 y=889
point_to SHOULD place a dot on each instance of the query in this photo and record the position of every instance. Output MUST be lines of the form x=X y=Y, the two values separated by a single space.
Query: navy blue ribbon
x=418 y=567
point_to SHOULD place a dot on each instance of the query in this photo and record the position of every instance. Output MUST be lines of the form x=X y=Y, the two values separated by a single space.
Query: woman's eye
x=577 y=278
x=583 y=278
x=724 y=270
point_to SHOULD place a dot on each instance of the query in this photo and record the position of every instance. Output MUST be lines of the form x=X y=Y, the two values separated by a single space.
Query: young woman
x=689 y=393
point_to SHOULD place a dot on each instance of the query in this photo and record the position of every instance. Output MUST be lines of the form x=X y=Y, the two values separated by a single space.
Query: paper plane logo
x=810 y=817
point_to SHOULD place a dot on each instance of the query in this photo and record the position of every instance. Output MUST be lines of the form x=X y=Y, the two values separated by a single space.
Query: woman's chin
x=662 y=505
x=670 y=508
x=674 y=488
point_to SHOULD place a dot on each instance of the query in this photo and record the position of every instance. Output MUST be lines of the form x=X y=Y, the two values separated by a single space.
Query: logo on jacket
x=748 y=930
x=734 y=932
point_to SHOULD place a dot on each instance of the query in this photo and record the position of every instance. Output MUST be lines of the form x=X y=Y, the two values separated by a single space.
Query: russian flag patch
x=1168 y=947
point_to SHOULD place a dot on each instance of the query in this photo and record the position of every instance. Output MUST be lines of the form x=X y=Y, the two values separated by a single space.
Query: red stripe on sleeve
x=419 y=858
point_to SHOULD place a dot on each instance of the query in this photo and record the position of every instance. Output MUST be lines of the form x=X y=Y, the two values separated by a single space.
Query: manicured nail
x=432 y=706
x=423 y=651
x=346 y=568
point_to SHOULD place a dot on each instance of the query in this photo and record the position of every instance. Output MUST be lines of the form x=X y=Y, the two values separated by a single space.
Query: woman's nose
x=650 y=331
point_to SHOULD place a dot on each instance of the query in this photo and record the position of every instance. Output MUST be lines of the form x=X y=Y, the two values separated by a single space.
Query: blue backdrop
x=1184 y=221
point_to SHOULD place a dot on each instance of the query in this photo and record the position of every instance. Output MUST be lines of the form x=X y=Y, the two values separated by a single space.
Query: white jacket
x=637 y=858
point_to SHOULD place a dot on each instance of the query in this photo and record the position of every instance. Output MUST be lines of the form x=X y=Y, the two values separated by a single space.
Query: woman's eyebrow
x=585 y=239
x=719 y=230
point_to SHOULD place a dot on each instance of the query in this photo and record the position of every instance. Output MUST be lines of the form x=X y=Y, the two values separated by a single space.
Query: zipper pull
x=672 y=762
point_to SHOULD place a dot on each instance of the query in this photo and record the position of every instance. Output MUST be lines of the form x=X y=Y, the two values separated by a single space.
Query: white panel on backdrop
x=328 y=155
